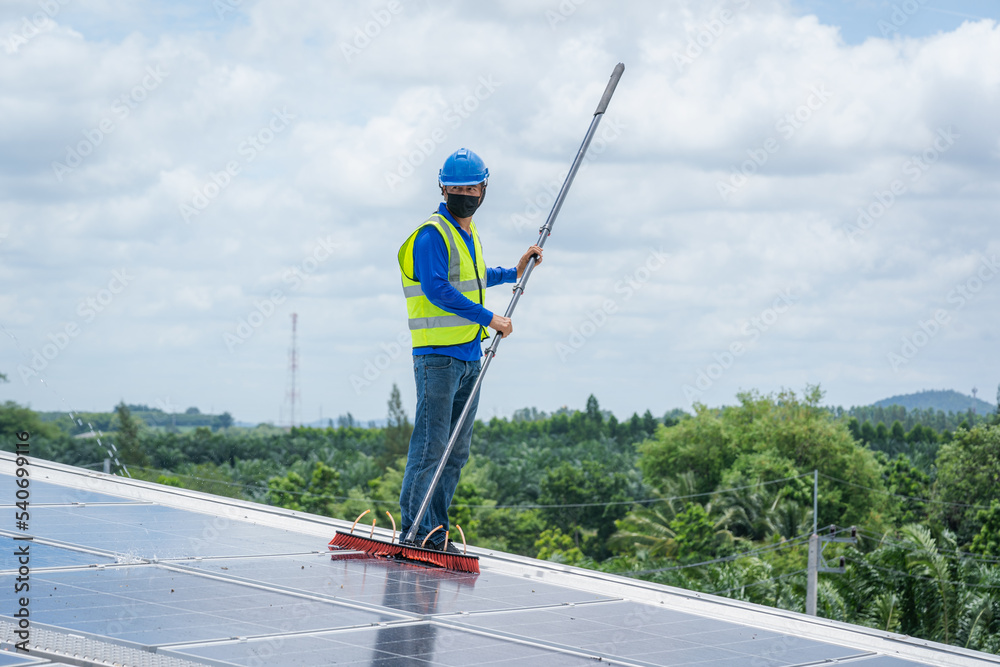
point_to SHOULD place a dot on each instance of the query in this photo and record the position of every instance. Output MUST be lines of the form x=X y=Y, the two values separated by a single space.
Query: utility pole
x=812 y=578
x=812 y=574
x=815 y=499
x=817 y=564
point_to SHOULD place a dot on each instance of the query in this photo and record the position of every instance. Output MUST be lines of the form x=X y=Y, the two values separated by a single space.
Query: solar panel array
x=116 y=581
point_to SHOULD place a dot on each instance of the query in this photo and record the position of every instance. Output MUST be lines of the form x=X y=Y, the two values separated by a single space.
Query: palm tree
x=653 y=530
x=925 y=560
x=757 y=512
x=920 y=584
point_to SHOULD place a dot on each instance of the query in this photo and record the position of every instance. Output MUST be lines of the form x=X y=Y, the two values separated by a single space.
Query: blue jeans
x=443 y=385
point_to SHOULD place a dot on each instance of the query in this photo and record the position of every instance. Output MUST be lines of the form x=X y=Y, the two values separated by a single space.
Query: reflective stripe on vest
x=428 y=324
x=460 y=285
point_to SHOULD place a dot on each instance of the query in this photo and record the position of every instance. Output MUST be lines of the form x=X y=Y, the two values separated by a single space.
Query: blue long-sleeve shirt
x=430 y=267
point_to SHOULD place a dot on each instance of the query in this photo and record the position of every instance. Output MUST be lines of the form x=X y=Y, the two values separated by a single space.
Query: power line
x=757 y=583
x=642 y=501
x=958 y=553
x=795 y=541
x=917 y=576
x=899 y=495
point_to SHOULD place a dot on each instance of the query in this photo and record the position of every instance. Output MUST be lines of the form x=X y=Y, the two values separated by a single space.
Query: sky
x=781 y=194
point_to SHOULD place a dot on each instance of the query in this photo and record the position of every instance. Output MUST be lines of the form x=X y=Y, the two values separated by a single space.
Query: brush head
x=449 y=561
x=368 y=545
x=343 y=541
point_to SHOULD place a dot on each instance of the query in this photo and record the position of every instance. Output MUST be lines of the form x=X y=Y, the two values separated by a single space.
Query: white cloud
x=827 y=127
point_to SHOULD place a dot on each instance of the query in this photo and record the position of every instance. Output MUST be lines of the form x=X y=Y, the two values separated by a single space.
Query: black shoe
x=419 y=543
x=450 y=549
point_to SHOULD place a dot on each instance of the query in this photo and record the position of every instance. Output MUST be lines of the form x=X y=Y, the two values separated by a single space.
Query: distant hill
x=946 y=400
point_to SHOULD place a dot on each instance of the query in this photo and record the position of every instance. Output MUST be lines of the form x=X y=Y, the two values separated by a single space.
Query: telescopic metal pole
x=543 y=234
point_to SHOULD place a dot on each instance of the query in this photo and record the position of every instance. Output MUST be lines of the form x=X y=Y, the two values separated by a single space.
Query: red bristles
x=379 y=549
x=368 y=545
x=458 y=562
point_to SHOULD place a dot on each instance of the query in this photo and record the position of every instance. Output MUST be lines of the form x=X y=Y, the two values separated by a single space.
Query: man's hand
x=523 y=264
x=502 y=325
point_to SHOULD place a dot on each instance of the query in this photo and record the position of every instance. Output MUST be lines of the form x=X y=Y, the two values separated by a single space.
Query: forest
x=719 y=501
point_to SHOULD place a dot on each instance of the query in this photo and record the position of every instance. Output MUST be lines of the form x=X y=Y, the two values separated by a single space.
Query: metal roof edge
x=737 y=611
x=176 y=497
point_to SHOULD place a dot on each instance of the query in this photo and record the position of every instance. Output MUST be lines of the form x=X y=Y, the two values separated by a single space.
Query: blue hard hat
x=463 y=167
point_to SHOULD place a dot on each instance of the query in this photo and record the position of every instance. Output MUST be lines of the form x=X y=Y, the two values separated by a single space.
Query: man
x=444 y=279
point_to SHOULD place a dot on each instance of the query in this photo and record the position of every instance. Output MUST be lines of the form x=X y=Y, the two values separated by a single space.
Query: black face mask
x=463 y=206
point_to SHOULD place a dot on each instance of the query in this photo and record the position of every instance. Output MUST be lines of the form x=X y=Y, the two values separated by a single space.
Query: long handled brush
x=369 y=546
x=464 y=562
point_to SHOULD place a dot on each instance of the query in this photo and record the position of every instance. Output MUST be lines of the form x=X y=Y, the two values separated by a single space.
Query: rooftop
x=125 y=572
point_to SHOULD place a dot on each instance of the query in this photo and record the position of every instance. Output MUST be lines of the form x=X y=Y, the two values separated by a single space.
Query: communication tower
x=293 y=366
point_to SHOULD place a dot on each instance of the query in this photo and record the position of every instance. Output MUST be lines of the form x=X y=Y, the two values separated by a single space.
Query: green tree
x=670 y=528
x=225 y=420
x=699 y=445
x=855 y=428
x=128 y=442
x=926 y=561
x=698 y=537
x=316 y=494
x=903 y=479
x=463 y=509
x=774 y=435
x=649 y=422
x=17 y=419
x=286 y=491
x=585 y=497
x=987 y=541
x=324 y=487
x=867 y=433
x=896 y=432
x=553 y=545
x=205 y=477
x=397 y=431
x=613 y=427
x=968 y=474
x=756 y=512
x=921 y=433
x=512 y=530
x=594 y=410
x=915 y=583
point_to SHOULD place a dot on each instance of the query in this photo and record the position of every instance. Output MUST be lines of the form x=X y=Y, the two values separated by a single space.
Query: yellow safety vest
x=433 y=326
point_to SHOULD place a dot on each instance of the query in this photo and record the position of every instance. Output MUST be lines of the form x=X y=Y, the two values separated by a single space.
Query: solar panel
x=43 y=493
x=641 y=632
x=153 y=531
x=152 y=605
x=416 y=643
x=7 y=658
x=401 y=586
x=44 y=555
x=886 y=661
